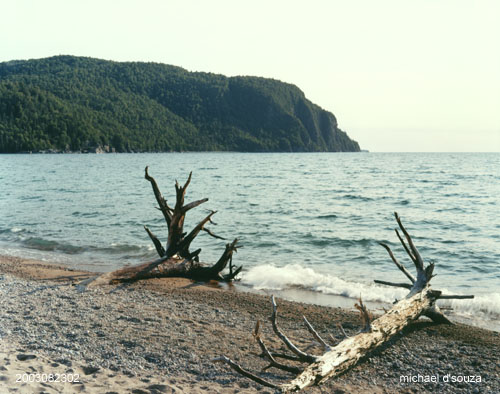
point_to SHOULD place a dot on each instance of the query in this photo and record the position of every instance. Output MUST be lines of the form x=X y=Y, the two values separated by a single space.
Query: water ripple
x=324 y=210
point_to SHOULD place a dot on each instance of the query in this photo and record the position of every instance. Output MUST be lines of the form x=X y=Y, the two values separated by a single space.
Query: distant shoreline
x=87 y=152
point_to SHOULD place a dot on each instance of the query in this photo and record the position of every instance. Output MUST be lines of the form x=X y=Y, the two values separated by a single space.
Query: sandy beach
x=159 y=336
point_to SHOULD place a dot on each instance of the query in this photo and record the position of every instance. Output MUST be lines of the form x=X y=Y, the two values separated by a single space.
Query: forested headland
x=77 y=104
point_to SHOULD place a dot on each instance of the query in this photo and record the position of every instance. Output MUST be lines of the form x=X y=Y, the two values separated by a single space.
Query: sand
x=159 y=336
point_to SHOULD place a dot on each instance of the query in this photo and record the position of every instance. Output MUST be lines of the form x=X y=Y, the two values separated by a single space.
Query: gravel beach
x=159 y=336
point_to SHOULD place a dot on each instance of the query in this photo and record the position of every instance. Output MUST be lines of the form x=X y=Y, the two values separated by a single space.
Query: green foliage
x=72 y=103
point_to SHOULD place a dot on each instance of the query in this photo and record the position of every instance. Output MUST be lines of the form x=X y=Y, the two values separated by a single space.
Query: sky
x=399 y=75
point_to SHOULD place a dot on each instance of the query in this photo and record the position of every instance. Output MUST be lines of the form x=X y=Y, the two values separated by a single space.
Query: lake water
x=306 y=221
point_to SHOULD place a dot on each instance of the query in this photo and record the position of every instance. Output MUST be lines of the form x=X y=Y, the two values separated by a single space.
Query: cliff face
x=73 y=103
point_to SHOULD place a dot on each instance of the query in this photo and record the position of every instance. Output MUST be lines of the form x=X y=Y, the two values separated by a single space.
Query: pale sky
x=399 y=75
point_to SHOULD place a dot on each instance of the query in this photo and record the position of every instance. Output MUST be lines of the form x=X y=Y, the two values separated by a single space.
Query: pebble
x=140 y=332
x=24 y=357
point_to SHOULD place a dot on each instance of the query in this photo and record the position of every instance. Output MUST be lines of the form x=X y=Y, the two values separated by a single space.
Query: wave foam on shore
x=482 y=310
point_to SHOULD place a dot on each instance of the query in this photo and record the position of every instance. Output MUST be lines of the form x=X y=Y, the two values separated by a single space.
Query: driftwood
x=420 y=301
x=176 y=259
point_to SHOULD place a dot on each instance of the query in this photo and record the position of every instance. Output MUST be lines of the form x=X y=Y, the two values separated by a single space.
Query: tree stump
x=176 y=259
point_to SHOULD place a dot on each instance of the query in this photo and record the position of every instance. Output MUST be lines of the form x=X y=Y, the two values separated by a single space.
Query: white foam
x=270 y=277
x=480 y=305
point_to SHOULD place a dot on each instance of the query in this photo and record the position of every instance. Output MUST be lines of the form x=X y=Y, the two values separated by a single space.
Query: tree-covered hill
x=68 y=103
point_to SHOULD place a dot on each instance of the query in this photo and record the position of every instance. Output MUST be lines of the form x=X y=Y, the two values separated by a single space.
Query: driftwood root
x=420 y=301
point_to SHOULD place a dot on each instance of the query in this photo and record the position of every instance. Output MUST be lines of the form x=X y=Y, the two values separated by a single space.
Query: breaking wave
x=270 y=277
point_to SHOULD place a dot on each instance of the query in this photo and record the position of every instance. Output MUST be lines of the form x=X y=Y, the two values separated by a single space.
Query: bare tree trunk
x=175 y=259
x=421 y=300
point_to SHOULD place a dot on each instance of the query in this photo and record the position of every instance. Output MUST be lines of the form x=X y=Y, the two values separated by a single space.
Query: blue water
x=308 y=220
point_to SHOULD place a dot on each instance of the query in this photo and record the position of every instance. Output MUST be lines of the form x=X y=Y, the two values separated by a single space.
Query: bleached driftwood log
x=175 y=259
x=421 y=300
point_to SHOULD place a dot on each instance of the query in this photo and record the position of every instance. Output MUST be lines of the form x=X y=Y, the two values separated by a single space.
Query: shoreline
x=161 y=335
x=458 y=312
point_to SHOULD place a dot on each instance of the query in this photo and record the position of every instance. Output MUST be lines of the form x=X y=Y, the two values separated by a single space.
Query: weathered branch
x=398 y=264
x=194 y=254
x=455 y=296
x=339 y=325
x=421 y=301
x=366 y=319
x=193 y=204
x=315 y=334
x=266 y=353
x=176 y=258
x=182 y=247
x=347 y=353
x=299 y=353
x=241 y=371
x=212 y=234
x=159 y=247
x=232 y=272
x=383 y=282
x=181 y=191
x=176 y=227
x=225 y=258
x=408 y=251
x=415 y=255
x=285 y=356
x=164 y=208
x=435 y=314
